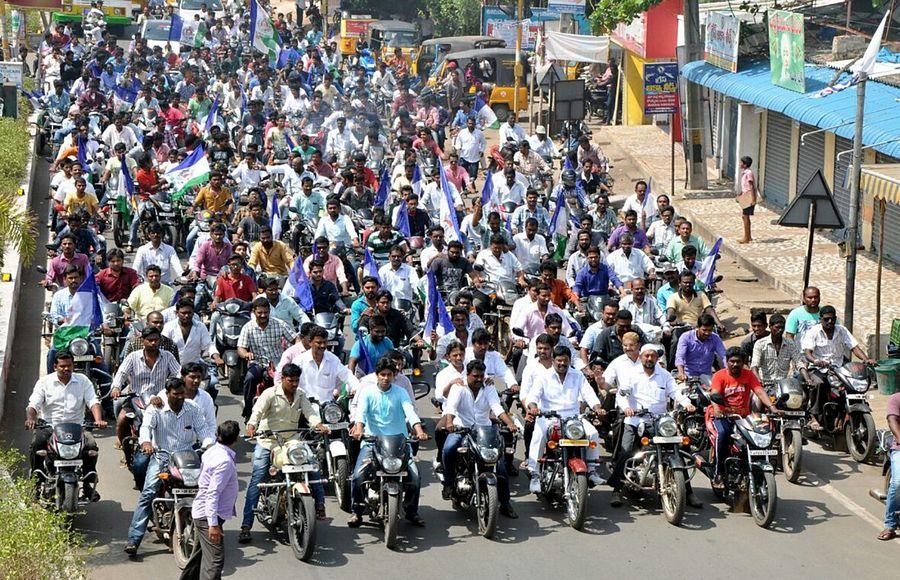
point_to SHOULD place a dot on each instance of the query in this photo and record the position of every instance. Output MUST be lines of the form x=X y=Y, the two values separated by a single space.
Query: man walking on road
x=214 y=504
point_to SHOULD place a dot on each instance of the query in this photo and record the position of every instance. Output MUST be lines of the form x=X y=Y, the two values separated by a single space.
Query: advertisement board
x=786 y=50
x=660 y=88
x=566 y=6
x=723 y=32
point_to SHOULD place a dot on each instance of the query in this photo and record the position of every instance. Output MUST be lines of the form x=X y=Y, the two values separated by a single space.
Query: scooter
x=233 y=315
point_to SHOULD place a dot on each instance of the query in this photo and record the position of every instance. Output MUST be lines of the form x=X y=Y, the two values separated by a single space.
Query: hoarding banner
x=660 y=88
x=786 y=50
x=723 y=33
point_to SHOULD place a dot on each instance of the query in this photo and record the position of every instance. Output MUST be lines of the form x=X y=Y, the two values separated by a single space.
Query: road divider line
x=848 y=503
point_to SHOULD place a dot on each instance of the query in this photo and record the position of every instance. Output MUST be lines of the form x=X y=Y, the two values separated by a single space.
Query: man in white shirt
x=470 y=405
x=398 y=277
x=321 y=372
x=118 y=132
x=61 y=397
x=542 y=145
x=157 y=253
x=825 y=344
x=561 y=389
x=511 y=131
x=644 y=309
x=628 y=263
x=531 y=247
x=341 y=140
x=497 y=372
x=192 y=339
x=470 y=144
x=500 y=265
x=510 y=189
x=662 y=231
x=649 y=388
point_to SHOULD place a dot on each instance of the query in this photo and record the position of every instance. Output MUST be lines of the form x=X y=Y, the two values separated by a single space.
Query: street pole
x=518 y=71
x=694 y=125
x=853 y=227
x=810 y=236
x=672 y=153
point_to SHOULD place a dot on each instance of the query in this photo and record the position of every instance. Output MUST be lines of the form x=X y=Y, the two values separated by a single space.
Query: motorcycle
x=847 y=410
x=748 y=469
x=502 y=296
x=382 y=486
x=476 y=478
x=171 y=509
x=59 y=479
x=285 y=499
x=564 y=471
x=659 y=465
x=130 y=444
x=113 y=335
x=885 y=442
x=233 y=315
x=790 y=398
x=693 y=423
x=332 y=449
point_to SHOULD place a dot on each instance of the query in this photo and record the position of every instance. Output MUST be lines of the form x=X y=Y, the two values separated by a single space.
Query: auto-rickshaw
x=387 y=35
x=433 y=50
x=354 y=27
x=499 y=83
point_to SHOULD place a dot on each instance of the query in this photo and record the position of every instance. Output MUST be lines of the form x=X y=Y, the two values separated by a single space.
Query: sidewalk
x=778 y=253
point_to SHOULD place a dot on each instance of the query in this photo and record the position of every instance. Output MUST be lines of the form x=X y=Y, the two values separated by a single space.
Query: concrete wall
x=9 y=291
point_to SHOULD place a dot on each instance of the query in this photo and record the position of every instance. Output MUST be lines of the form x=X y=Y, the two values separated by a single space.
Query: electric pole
x=694 y=119
x=853 y=226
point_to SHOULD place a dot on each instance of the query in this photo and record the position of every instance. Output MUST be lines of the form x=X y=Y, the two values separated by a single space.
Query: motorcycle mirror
x=518 y=332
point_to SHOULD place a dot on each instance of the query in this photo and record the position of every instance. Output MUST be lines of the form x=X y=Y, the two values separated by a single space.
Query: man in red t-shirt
x=234 y=283
x=735 y=383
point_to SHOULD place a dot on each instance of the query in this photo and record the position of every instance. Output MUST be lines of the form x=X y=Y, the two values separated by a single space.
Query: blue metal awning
x=753 y=85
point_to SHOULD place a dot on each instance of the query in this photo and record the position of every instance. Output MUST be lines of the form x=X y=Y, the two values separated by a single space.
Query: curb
x=31 y=168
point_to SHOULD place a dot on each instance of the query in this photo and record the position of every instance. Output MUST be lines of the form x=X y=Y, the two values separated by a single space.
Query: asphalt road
x=822 y=525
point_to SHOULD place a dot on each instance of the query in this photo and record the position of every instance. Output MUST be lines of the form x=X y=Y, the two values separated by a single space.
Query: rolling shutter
x=891 y=222
x=778 y=159
x=811 y=156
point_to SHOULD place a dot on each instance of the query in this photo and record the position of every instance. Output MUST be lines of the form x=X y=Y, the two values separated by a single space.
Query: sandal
x=887 y=534
x=244 y=536
x=320 y=513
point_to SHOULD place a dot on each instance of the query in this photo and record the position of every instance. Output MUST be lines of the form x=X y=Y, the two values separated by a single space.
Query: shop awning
x=752 y=84
x=881 y=181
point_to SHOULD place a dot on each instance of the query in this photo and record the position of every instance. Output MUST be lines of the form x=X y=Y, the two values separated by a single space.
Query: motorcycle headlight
x=392 y=464
x=79 y=347
x=191 y=477
x=667 y=427
x=110 y=319
x=761 y=439
x=574 y=430
x=70 y=451
x=332 y=413
x=299 y=455
x=232 y=308
x=489 y=454
x=834 y=381
x=858 y=385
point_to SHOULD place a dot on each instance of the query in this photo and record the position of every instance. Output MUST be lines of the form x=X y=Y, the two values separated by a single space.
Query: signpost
x=11 y=74
x=661 y=97
x=813 y=208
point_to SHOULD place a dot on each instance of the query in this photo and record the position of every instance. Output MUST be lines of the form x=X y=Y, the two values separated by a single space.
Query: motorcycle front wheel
x=391 y=521
x=69 y=498
x=235 y=383
x=342 y=483
x=120 y=230
x=301 y=525
x=860 y=434
x=764 y=499
x=672 y=495
x=488 y=507
x=792 y=457
x=184 y=543
x=576 y=500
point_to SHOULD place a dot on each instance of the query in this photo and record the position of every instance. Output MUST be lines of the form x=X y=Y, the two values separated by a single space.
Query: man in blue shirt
x=596 y=278
x=385 y=409
x=697 y=350
x=377 y=344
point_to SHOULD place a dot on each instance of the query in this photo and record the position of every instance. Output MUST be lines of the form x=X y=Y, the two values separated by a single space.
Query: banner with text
x=660 y=88
x=723 y=33
x=786 y=50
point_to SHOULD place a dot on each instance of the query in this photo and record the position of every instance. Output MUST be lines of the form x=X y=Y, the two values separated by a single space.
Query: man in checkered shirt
x=262 y=341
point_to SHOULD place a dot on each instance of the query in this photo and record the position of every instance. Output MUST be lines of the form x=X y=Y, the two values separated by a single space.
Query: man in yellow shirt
x=215 y=197
x=270 y=256
x=81 y=200
x=151 y=295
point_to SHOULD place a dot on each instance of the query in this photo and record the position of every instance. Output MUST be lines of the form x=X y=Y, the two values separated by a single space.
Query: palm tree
x=18 y=226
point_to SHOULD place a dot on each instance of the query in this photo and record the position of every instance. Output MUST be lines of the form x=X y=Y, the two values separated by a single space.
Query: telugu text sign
x=786 y=50
x=723 y=33
x=660 y=88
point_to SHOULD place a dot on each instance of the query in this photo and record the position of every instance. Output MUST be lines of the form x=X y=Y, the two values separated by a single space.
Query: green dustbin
x=886 y=374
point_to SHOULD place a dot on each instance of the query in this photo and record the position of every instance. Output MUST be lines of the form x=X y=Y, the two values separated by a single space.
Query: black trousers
x=207 y=562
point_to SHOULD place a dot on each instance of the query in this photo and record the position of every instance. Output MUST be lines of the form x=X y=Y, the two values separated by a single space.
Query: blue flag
x=289 y=141
x=211 y=116
x=435 y=309
x=448 y=210
x=487 y=192
x=560 y=201
x=127 y=94
x=175 y=28
x=402 y=224
x=382 y=196
x=370 y=268
x=417 y=181
x=275 y=218
x=707 y=273
x=82 y=155
x=297 y=286
x=567 y=164
x=364 y=363
x=126 y=178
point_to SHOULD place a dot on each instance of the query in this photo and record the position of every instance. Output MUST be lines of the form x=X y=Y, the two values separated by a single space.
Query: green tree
x=455 y=17
x=17 y=224
x=608 y=14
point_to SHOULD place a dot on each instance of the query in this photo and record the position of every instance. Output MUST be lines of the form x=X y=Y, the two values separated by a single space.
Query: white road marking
x=848 y=503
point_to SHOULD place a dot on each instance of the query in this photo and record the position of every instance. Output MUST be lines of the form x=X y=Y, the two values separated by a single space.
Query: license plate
x=184 y=491
x=667 y=439
x=84 y=358
x=763 y=452
x=297 y=468
x=332 y=343
x=407 y=372
x=573 y=442
x=68 y=463
x=855 y=397
x=794 y=413
x=335 y=426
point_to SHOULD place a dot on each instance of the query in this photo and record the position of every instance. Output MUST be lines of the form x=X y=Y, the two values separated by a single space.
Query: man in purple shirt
x=213 y=254
x=630 y=227
x=214 y=503
x=698 y=348
x=68 y=256
x=595 y=278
